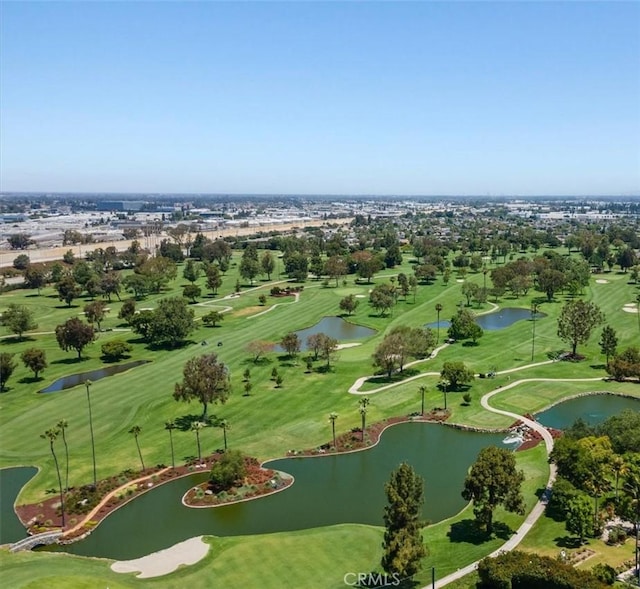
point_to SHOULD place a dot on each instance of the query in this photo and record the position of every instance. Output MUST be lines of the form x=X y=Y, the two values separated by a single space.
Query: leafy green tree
x=576 y=322
x=135 y=432
x=35 y=360
x=492 y=481
x=626 y=364
x=579 y=518
x=249 y=265
x=192 y=292
x=608 y=342
x=402 y=543
x=95 y=312
x=18 y=318
x=551 y=281
x=172 y=322
x=456 y=373
x=214 y=279
x=115 y=350
x=296 y=265
x=279 y=381
x=212 y=318
x=470 y=290
x=137 y=284
x=291 y=344
x=158 y=272
x=191 y=271
x=128 y=310
x=259 y=348
x=328 y=348
x=74 y=334
x=228 y=470
x=35 y=277
x=7 y=366
x=52 y=435
x=206 y=380
x=366 y=264
x=267 y=264
x=19 y=241
x=381 y=298
x=335 y=267
x=349 y=304
x=110 y=285
x=463 y=326
x=68 y=289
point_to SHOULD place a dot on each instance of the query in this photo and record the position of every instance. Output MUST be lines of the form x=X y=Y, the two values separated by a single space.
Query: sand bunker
x=349 y=345
x=165 y=561
x=630 y=308
x=361 y=296
x=602 y=281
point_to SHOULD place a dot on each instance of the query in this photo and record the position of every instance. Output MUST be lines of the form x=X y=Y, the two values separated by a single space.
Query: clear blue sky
x=333 y=98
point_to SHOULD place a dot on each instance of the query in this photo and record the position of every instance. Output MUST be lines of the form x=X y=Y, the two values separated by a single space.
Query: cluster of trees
x=463 y=326
x=592 y=463
x=401 y=343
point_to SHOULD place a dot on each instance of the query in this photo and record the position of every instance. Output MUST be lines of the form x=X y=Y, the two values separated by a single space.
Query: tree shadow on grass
x=30 y=379
x=262 y=361
x=71 y=361
x=16 y=340
x=567 y=542
x=598 y=366
x=467 y=531
x=184 y=422
x=379 y=579
x=395 y=377
x=469 y=344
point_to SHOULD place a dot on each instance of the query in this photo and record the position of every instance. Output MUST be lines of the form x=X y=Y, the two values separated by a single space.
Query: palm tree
x=534 y=312
x=196 y=426
x=438 y=310
x=88 y=383
x=422 y=390
x=135 y=430
x=332 y=418
x=51 y=435
x=619 y=467
x=63 y=425
x=443 y=385
x=171 y=425
x=224 y=424
x=638 y=308
x=364 y=402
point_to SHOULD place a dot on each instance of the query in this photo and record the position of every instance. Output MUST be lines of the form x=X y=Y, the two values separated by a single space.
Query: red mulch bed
x=352 y=440
x=44 y=516
x=257 y=482
x=533 y=438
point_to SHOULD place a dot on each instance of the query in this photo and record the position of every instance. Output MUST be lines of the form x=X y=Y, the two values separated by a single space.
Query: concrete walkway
x=539 y=507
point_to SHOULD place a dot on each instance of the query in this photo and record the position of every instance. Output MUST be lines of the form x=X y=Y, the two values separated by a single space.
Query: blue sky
x=422 y=98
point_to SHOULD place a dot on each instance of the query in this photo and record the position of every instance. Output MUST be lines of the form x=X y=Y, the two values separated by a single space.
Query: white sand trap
x=602 y=281
x=361 y=296
x=164 y=561
x=351 y=345
x=630 y=308
x=459 y=279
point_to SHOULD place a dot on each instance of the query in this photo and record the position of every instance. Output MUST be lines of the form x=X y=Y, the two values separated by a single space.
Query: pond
x=11 y=481
x=327 y=490
x=335 y=327
x=496 y=320
x=593 y=409
x=75 y=379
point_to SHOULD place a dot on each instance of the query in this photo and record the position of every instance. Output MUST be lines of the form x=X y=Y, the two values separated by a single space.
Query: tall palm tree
x=422 y=390
x=438 y=311
x=332 y=418
x=88 y=383
x=619 y=467
x=135 y=431
x=196 y=426
x=51 y=435
x=224 y=424
x=171 y=425
x=364 y=402
x=63 y=425
x=534 y=312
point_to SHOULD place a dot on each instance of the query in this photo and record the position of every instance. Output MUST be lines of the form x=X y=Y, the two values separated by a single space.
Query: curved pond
x=327 y=490
x=335 y=327
x=73 y=380
x=499 y=319
x=593 y=409
x=11 y=481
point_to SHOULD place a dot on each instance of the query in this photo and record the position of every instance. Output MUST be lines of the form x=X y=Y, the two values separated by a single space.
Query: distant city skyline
x=423 y=99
